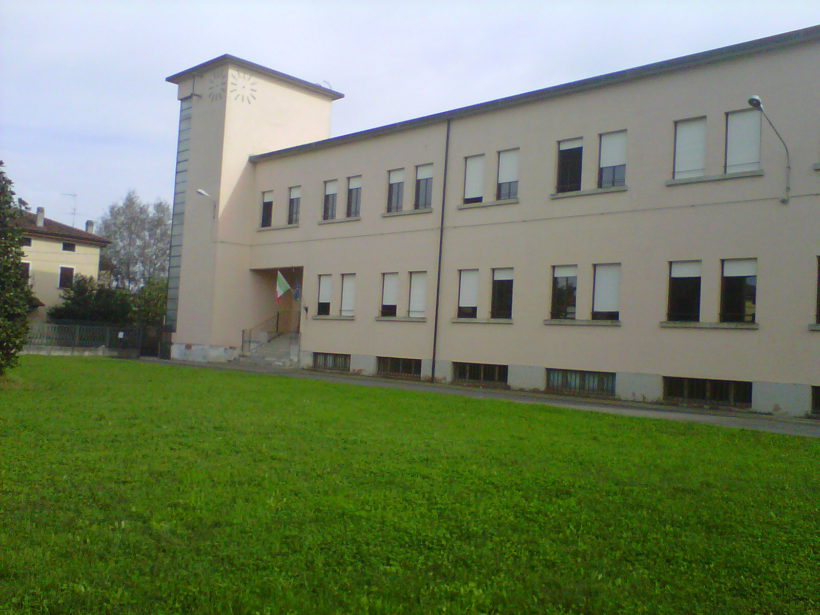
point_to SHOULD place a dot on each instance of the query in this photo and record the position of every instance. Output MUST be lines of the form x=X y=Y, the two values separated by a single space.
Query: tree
x=88 y=301
x=149 y=303
x=15 y=295
x=140 y=236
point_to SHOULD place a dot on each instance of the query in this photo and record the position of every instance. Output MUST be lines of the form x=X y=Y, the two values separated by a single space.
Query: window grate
x=577 y=382
x=399 y=367
x=704 y=391
x=331 y=361
x=480 y=373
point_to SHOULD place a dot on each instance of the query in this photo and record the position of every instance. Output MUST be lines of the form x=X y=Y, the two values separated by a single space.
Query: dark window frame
x=424 y=193
x=482 y=374
x=395 y=194
x=707 y=391
x=354 y=199
x=569 y=171
x=329 y=206
x=398 y=367
x=267 y=211
x=66 y=279
x=293 y=210
x=25 y=242
x=562 y=305
x=331 y=361
x=683 y=298
x=736 y=293
x=69 y=246
x=580 y=382
x=501 y=300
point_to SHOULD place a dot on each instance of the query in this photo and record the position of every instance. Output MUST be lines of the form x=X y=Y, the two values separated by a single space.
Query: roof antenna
x=73 y=211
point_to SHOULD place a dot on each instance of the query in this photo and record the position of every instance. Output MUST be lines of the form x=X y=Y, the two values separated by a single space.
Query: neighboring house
x=628 y=235
x=53 y=253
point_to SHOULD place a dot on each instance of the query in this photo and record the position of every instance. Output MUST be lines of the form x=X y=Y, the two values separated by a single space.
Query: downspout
x=440 y=250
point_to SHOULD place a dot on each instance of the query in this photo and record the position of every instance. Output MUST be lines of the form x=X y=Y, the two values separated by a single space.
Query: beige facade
x=54 y=254
x=657 y=191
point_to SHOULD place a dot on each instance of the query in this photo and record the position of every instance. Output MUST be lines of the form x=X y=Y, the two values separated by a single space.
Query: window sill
x=487 y=204
x=338 y=220
x=483 y=321
x=567 y=195
x=407 y=212
x=814 y=327
x=402 y=318
x=571 y=322
x=333 y=317
x=280 y=227
x=675 y=324
x=713 y=178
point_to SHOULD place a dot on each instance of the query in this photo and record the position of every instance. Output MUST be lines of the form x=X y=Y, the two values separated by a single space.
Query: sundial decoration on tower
x=242 y=87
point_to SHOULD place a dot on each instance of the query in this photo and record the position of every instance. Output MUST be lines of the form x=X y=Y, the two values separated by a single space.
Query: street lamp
x=202 y=192
x=756 y=103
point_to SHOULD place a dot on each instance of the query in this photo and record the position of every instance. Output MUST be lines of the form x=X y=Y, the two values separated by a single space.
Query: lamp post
x=202 y=192
x=756 y=103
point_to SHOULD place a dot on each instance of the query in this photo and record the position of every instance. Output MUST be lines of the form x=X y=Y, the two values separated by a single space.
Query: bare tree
x=140 y=236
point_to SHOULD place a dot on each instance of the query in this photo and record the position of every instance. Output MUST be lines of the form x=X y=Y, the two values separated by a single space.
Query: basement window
x=480 y=373
x=577 y=382
x=703 y=391
x=331 y=361
x=399 y=368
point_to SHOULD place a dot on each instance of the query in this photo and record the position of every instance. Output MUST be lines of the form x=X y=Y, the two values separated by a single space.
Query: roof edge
x=230 y=59
x=720 y=54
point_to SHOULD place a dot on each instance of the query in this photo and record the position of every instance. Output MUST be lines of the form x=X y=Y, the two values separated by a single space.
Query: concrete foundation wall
x=363 y=364
x=203 y=353
x=638 y=387
x=782 y=399
x=527 y=377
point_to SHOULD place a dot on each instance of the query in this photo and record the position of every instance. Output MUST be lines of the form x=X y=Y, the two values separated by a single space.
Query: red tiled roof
x=56 y=230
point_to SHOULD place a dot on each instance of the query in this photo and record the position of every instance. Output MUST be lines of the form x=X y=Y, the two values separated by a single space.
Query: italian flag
x=282 y=286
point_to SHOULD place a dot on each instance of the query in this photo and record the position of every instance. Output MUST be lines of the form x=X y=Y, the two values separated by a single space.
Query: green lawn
x=147 y=488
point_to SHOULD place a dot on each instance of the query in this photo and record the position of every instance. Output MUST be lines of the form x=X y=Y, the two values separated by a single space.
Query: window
x=468 y=293
x=267 y=208
x=354 y=196
x=480 y=373
x=690 y=148
x=348 y=294
x=703 y=391
x=418 y=294
x=684 y=291
x=395 y=190
x=507 y=175
x=474 y=179
x=398 y=367
x=576 y=382
x=738 y=290
x=743 y=141
x=564 y=285
x=424 y=187
x=329 y=206
x=331 y=361
x=390 y=293
x=815 y=400
x=66 y=277
x=25 y=241
x=606 y=293
x=612 y=160
x=570 y=154
x=501 y=306
x=325 y=294
x=294 y=199
x=69 y=247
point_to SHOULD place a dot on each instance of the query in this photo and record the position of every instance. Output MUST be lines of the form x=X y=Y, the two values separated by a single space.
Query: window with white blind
x=606 y=292
x=348 y=294
x=564 y=285
x=390 y=294
x=612 y=160
x=329 y=205
x=684 y=291
x=570 y=156
x=474 y=179
x=424 y=187
x=354 y=196
x=507 y=174
x=395 y=190
x=294 y=199
x=690 y=148
x=468 y=293
x=267 y=208
x=738 y=290
x=325 y=295
x=743 y=141
x=418 y=294
x=502 y=294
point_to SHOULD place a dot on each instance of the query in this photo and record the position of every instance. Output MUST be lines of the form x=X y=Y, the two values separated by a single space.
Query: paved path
x=739 y=420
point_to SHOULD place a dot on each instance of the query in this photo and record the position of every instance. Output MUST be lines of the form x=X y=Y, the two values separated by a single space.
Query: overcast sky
x=85 y=109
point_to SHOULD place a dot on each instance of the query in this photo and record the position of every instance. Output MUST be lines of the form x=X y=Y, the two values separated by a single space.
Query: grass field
x=145 y=488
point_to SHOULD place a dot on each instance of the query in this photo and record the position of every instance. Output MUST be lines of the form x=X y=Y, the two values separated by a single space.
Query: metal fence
x=84 y=336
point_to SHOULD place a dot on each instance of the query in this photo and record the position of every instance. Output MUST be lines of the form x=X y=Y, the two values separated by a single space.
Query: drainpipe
x=440 y=250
